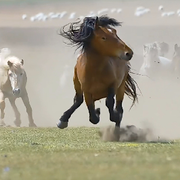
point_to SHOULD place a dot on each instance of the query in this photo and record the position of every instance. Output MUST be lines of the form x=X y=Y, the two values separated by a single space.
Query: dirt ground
x=46 y=55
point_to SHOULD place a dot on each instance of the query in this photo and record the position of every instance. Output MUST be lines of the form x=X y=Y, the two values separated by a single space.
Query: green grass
x=78 y=153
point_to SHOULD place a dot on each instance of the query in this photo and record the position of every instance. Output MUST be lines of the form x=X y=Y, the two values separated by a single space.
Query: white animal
x=141 y=11
x=32 y=19
x=167 y=14
x=113 y=10
x=24 y=16
x=13 y=81
x=163 y=48
x=62 y=14
x=119 y=10
x=161 y=8
x=72 y=15
x=176 y=59
x=155 y=66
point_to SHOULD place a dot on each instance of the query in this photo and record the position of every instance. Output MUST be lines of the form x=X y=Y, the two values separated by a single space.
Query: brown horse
x=102 y=69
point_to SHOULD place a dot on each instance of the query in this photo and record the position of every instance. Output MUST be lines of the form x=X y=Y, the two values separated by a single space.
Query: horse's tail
x=131 y=88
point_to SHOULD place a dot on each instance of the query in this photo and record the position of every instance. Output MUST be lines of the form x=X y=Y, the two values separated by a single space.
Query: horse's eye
x=104 y=38
x=21 y=74
x=10 y=74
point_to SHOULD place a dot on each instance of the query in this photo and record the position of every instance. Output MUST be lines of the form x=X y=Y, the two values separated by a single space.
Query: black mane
x=79 y=34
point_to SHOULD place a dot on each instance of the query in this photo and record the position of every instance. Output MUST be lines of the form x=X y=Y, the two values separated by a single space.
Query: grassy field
x=78 y=153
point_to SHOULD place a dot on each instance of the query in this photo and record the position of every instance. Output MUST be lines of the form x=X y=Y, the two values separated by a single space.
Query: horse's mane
x=79 y=34
x=13 y=59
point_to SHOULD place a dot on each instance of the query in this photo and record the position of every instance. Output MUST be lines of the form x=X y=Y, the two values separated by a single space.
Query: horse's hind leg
x=17 y=121
x=26 y=102
x=2 y=107
x=93 y=113
x=78 y=100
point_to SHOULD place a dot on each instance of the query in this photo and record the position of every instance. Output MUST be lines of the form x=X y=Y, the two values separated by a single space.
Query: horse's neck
x=93 y=58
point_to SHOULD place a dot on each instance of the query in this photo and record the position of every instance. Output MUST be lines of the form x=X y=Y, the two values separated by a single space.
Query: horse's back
x=165 y=61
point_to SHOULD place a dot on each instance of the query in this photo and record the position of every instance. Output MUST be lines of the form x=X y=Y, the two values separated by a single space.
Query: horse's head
x=16 y=74
x=98 y=33
x=106 y=42
x=150 y=50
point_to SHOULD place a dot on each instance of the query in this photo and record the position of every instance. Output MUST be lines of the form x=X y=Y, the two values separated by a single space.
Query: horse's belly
x=99 y=89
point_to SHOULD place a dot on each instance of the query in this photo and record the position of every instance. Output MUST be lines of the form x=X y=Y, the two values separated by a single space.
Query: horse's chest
x=102 y=77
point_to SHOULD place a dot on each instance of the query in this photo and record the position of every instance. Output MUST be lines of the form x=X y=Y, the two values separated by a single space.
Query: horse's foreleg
x=119 y=100
x=110 y=104
x=2 y=107
x=93 y=113
x=17 y=121
x=78 y=100
x=26 y=102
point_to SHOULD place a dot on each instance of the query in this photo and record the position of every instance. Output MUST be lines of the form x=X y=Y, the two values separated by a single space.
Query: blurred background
x=30 y=29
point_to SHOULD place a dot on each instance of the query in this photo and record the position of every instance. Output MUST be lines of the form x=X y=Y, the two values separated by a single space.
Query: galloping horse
x=13 y=85
x=102 y=69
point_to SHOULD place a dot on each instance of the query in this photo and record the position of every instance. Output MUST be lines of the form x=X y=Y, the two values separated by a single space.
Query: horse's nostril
x=16 y=91
x=128 y=55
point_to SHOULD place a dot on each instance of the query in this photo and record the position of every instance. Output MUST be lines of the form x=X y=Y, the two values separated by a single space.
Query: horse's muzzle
x=16 y=91
x=127 y=55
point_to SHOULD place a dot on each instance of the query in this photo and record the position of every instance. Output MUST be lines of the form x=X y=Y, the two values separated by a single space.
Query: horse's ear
x=96 y=25
x=9 y=63
x=175 y=47
x=22 y=61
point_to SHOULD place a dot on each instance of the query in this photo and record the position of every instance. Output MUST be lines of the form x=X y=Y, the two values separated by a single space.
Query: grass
x=78 y=153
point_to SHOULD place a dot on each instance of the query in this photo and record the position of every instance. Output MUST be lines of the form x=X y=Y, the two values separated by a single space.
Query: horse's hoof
x=2 y=124
x=32 y=125
x=17 y=123
x=95 y=119
x=62 y=124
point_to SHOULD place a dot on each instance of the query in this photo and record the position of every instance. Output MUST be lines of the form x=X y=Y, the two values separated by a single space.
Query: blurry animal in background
x=154 y=65
x=162 y=47
x=13 y=81
x=176 y=59
x=150 y=53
